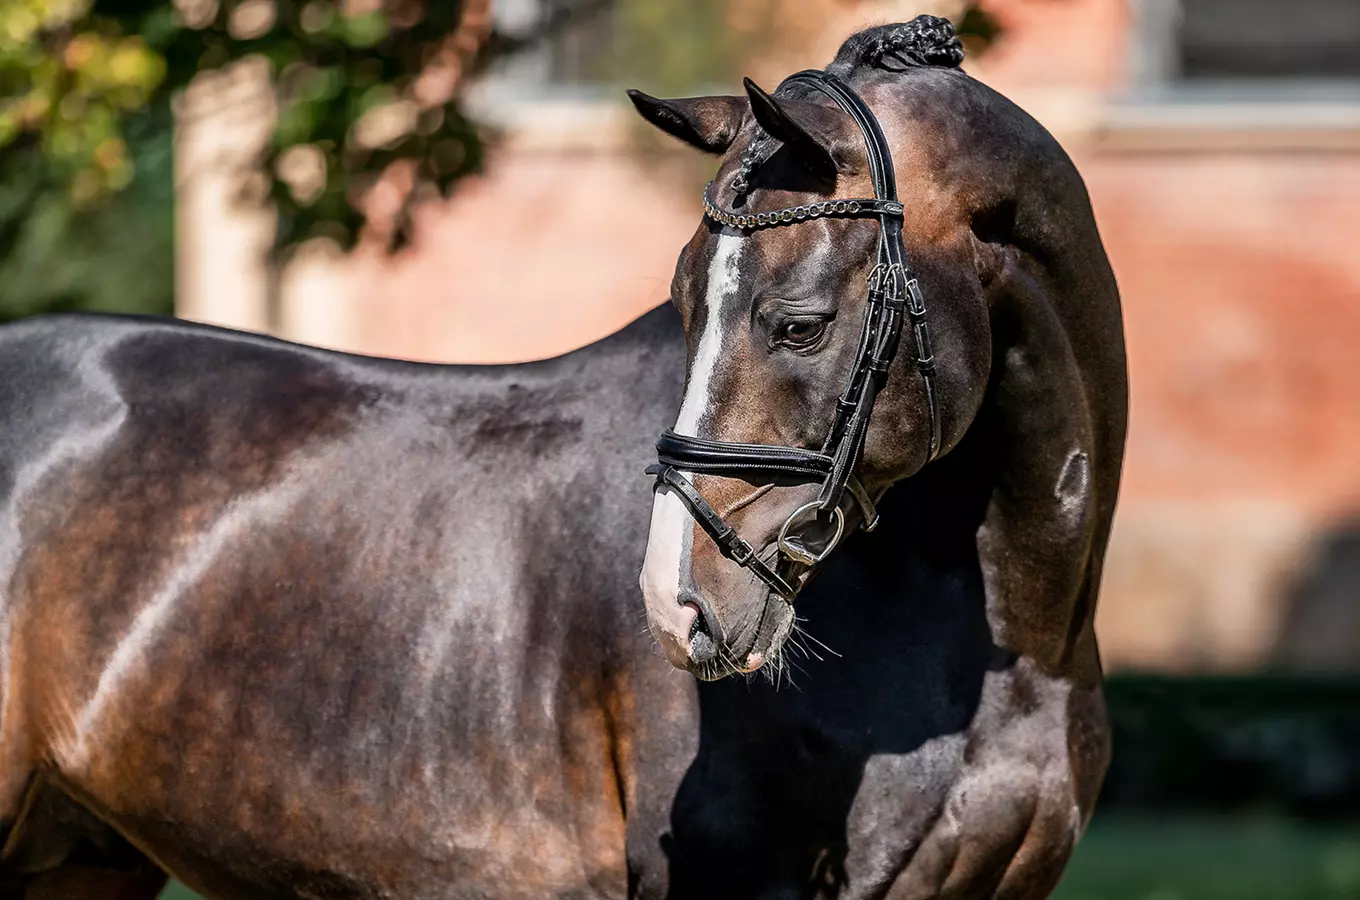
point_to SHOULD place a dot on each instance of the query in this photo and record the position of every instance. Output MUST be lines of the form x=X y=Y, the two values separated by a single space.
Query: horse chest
x=793 y=808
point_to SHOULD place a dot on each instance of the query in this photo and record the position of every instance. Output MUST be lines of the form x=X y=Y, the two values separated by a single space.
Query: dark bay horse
x=291 y=623
x=287 y=623
x=963 y=709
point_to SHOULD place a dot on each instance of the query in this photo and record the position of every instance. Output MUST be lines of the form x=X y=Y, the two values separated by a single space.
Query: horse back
x=260 y=599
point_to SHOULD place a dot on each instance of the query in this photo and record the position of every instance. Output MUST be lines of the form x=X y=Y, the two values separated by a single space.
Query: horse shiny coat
x=290 y=624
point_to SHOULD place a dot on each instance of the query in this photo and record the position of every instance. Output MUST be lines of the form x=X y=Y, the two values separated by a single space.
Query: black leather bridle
x=894 y=295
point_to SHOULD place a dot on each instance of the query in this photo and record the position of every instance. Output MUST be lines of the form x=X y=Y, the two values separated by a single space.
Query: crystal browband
x=857 y=208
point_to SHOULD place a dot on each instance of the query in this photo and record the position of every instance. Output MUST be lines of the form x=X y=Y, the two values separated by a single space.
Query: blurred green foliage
x=1286 y=745
x=364 y=88
x=66 y=81
x=115 y=255
x=72 y=70
x=86 y=174
x=86 y=189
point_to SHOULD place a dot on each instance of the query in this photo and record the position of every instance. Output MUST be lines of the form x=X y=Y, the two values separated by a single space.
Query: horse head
x=865 y=236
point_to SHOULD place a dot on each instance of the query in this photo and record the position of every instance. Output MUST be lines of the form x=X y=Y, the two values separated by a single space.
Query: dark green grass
x=1154 y=858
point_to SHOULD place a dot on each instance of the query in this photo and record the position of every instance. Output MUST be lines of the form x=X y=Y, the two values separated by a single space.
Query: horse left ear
x=822 y=136
x=709 y=124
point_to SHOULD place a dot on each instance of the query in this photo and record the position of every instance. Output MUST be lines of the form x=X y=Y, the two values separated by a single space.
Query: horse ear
x=707 y=123
x=823 y=137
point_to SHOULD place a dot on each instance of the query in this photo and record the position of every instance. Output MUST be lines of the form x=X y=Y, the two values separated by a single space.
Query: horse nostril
x=703 y=648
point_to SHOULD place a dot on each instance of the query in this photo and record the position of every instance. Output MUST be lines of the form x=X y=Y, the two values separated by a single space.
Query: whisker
x=821 y=644
x=808 y=652
x=786 y=667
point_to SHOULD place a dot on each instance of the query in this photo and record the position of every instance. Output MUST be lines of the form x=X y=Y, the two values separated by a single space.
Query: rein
x=894 y=297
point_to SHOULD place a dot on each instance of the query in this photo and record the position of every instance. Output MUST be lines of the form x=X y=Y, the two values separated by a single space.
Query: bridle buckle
x=798 y=554
x=742 y=552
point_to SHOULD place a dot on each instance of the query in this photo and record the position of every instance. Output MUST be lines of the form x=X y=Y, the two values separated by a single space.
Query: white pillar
x=221 y=240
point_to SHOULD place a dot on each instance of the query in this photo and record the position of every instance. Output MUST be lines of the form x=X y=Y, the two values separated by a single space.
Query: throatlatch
x=894 y=295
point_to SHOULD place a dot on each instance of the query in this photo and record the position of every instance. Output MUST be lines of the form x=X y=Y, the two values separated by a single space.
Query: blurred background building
x=1220 y=140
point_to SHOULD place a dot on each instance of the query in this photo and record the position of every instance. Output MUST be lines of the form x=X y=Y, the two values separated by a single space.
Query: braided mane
x=924 y=41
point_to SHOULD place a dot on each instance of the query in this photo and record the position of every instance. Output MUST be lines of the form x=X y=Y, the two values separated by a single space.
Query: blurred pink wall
x=1233 y=246
x=544 y=252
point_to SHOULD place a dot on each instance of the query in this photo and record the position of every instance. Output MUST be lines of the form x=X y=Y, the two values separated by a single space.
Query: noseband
x=894 y=295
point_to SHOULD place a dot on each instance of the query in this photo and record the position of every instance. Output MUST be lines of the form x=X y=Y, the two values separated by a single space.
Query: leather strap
x=701 y=455
x=749 y=461
x=730 y=544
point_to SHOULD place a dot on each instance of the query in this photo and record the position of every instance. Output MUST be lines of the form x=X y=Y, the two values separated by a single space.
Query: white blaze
x=670 y=531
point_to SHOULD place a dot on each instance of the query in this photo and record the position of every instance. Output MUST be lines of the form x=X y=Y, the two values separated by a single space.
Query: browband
x=847 y=209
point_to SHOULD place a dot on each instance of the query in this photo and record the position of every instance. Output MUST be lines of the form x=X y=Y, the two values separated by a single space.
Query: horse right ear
x=707 y=123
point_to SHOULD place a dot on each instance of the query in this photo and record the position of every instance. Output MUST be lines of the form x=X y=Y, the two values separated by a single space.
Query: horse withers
x=898 y=297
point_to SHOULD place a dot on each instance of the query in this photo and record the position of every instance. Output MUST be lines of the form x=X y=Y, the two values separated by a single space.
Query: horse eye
x=801 y=332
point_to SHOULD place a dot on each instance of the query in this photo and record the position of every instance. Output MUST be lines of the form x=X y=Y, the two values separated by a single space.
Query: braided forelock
x=763 y=144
